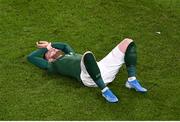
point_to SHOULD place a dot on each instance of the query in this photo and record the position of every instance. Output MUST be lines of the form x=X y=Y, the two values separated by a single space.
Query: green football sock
x=131 y=59
x=93 y=69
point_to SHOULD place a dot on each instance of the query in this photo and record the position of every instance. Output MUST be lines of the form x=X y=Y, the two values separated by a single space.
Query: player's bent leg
x=93 y=70
x=129 y=48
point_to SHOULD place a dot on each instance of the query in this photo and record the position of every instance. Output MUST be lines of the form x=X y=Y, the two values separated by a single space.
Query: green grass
x=28 y=93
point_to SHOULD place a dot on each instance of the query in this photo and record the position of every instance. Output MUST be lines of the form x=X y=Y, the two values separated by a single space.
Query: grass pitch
x=28 y=93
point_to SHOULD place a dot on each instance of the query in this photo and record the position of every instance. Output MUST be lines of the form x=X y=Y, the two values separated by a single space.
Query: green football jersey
x=68 y=65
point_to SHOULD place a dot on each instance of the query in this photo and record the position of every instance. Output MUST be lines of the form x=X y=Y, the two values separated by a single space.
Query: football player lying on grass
x=60 y=58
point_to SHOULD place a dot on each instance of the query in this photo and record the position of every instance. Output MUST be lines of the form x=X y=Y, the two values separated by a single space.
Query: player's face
x=51 y=54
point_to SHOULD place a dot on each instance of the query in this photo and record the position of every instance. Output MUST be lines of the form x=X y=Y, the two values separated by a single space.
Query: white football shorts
x=109 y=66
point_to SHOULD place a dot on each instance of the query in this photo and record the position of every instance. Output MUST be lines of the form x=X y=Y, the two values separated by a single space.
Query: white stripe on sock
x=131 y=78
x=106 y=88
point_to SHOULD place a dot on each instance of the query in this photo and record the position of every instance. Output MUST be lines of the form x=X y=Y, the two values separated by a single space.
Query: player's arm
x=36 y=58
x=62 y=46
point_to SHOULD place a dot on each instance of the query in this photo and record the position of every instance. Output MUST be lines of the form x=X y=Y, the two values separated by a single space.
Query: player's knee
x=124 y=44
x=127 y=40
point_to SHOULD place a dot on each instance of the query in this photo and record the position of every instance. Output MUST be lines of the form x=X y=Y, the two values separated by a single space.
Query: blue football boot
x=135 y=84
x=109 y=96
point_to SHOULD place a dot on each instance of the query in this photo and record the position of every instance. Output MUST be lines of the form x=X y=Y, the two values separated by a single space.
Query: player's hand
x=42 y=44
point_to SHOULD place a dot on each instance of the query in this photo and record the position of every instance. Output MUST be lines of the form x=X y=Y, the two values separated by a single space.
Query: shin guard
x=131 y=59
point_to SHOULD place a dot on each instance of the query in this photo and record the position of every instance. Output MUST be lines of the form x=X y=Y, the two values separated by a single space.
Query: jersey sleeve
x=36 y=58
x=63 y=46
